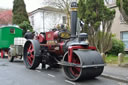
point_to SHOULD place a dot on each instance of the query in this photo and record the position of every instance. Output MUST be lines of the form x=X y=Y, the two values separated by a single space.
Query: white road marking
x=70 y=82
x=51 y=75
x=122 y=83
x=127 y=77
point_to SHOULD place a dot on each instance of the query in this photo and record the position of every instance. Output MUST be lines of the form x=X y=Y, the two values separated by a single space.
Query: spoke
x=30 y=47
x=75 y=70
x=30 y=50
x=32 y=56
x=78 y=69
x=29 y=59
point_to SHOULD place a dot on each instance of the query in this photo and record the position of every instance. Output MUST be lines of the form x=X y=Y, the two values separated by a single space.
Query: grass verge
x=112 y=59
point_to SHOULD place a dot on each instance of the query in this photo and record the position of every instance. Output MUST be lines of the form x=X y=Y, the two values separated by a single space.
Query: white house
x=45 y=18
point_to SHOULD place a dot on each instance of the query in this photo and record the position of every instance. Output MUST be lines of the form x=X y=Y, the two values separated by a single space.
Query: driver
x=29 y=35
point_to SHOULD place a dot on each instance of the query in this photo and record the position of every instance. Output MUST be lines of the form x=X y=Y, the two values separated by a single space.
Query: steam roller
x=69 y=50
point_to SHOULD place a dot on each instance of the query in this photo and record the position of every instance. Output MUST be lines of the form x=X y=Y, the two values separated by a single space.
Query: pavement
x=115 y=72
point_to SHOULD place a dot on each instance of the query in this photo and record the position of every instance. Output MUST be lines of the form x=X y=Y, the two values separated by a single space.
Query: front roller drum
x=90 y=64
x=31 y=54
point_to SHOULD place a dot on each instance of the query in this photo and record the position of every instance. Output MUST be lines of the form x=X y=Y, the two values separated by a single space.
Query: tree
x=62 y=4
x=19 y=12
x=123 y=7
x=95 y=15
x=81 y=8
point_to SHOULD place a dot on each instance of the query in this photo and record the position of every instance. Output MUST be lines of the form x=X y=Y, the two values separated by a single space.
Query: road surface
x=17 y=74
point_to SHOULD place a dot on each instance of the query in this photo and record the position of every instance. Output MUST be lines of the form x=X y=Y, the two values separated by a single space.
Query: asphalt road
x=17 y=74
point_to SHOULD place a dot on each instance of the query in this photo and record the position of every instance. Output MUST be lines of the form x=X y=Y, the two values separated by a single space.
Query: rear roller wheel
x=31 y=54
x=83 y=58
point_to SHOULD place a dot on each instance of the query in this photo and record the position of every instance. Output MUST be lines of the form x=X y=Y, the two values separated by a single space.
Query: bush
x=25 y=26
x=117 y=47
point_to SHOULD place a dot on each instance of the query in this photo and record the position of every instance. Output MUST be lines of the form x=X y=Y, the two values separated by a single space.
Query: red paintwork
x=61 y=48
x=92 y=48
x=49 y=35
x=52 y=42
x=41 y=38
x=51 y=48
x=56 y=34
x=71 y=48
x=75 y=59
x=2 y=54
x=31 y=56
x=75 y=70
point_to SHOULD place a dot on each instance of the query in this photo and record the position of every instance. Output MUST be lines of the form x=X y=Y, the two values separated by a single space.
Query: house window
x=64 y=19
x=122 y=21
x=32 y=20
x=124 y=37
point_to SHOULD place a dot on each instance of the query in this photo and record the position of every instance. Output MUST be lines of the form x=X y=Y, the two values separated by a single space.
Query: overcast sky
x=30 y=4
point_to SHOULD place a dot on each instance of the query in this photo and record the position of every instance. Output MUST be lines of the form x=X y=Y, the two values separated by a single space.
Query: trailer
x=16 y=49
x=7 y=35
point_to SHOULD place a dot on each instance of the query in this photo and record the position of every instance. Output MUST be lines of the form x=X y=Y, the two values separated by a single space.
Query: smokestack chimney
x=73 y=19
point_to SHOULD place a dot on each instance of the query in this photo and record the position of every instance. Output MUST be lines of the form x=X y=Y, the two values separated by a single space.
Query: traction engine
x=69 y=50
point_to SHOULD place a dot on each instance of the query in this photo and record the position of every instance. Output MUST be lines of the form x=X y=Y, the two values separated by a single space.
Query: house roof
x=47 y=8
x=6 y=17
x=113 y=5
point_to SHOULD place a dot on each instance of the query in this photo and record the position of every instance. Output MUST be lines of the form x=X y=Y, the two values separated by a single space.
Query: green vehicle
x=7 y=35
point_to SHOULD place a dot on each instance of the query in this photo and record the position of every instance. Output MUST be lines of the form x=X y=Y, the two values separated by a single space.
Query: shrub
x=25 y=26
x=117 y=47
